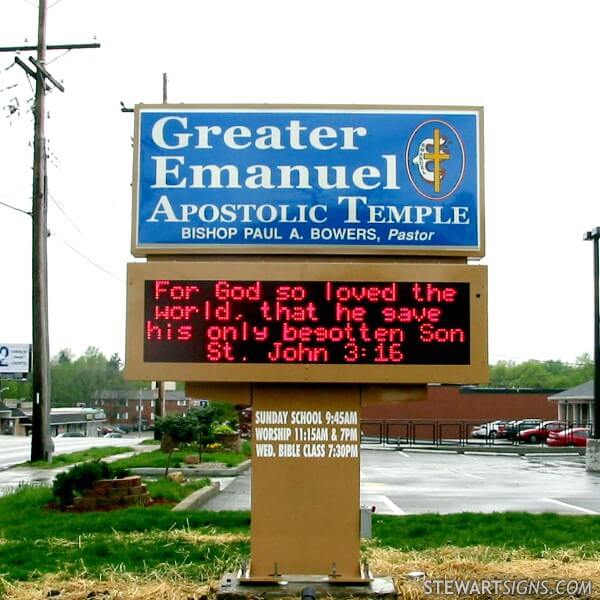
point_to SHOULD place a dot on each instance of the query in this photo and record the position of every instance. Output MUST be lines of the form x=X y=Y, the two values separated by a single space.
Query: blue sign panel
x=319 y=180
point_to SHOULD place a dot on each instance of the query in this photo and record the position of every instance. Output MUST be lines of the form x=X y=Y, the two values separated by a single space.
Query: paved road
x=17 y=449
x=412 y=482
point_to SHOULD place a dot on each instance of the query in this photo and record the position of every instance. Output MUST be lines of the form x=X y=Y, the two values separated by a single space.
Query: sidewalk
x=12 y=477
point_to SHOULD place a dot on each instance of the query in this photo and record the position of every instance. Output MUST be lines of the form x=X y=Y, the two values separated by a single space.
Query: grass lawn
x=536 y=533
x=142 y=546
x=158 y=458
x=175 y=492
x=71 y=458
x=150 y=442
x=35 y=541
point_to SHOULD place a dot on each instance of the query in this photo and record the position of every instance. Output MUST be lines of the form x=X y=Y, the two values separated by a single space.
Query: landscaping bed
x=96 y=485
x=159 y=459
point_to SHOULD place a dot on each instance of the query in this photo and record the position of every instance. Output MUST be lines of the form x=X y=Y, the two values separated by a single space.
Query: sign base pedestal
x=231 y=587
x=305 y=483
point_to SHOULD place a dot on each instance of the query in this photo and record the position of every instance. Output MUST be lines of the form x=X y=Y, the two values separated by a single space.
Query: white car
x=489 y=430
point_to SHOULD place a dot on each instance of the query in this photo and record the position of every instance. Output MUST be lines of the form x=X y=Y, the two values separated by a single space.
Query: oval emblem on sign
x=435 y=159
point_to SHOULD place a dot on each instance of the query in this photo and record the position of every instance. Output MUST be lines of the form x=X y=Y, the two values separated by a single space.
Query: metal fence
x=412 y=432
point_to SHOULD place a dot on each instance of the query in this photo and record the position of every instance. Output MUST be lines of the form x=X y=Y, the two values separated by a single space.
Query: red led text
x=307 y=322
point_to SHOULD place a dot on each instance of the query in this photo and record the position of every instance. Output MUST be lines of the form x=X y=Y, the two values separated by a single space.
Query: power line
x=59 y=56
x=88 y=259
x=15 y=208
x=64 y=212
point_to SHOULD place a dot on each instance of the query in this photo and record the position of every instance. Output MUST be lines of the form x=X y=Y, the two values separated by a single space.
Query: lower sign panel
x=329 y=322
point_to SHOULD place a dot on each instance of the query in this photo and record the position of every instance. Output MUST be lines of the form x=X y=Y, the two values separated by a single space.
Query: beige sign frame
x=475 y=275
x=143 y=250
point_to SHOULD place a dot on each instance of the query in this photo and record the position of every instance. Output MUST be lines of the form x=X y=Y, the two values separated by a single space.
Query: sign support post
x=305 y=483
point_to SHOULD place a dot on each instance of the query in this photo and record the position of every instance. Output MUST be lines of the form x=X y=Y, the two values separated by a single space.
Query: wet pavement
x=416 y=482
x=17 y=450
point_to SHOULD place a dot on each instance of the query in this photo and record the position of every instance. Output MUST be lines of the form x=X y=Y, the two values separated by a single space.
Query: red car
x=541 y=432
x=575 y=436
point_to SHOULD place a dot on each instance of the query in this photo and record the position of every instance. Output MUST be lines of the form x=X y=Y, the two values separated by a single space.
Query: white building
x=576 y=405
x=15 y=419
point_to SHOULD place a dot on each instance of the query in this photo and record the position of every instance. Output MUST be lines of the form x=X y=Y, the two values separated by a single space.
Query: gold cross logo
x=437 y=157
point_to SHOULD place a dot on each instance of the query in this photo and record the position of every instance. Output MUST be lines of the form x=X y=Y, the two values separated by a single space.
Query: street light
x=3 y=390
x=594 y=235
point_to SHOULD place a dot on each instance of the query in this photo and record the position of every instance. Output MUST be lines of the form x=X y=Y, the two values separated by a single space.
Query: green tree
x=65 y=356
x=175 y=430
x=542 y=374
x=206 y=418
x=75 y=380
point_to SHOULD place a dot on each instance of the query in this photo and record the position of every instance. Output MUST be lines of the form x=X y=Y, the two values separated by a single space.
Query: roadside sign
x=321 y=180
x=341 y=322
x=15 y=359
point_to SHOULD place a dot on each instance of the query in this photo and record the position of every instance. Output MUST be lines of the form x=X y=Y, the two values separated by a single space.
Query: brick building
x=470 y=403
x=133 y=409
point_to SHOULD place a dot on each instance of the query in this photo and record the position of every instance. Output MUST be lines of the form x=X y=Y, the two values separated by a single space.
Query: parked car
x=113 y=434
x=70 y=434
x=541 y=432
x=512 y=429
x=574 y=436
x=492 y=430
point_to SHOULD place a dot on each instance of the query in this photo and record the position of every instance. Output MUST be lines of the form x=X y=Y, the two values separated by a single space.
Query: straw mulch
x=113 y=587
x=482 y=563
x=477 y=563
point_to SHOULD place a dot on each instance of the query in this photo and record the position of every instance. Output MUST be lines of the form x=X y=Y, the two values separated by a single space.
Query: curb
x=195 y=500
x=197 y=471
x=498 y=450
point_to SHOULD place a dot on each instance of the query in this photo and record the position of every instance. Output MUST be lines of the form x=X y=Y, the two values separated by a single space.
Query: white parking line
x=471 y=475
x=584 y=510
x=395 y=510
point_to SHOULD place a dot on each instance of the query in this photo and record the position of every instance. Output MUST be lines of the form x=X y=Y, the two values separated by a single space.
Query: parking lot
x=412 y=481
x=415 y=482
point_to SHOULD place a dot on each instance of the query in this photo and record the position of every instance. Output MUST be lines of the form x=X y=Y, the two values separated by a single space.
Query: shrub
x=246 y=448
x=81 y=477
x=223 y=428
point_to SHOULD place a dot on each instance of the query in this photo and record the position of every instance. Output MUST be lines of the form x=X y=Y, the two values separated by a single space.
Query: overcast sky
x=531 y=65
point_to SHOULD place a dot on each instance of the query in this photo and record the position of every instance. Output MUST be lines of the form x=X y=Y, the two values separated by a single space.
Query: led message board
x=234 y=322
x=293 y=179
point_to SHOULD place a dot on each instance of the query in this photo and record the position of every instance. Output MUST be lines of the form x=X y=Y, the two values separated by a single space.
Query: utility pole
x=140 y=408
x=159 y=406
x=594 y=236
x=42 y=446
